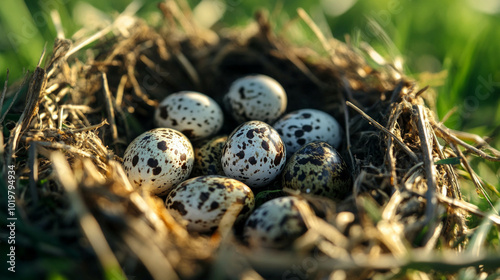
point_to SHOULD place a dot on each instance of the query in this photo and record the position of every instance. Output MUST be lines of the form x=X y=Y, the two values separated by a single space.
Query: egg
x=208 y=156
x=256 y=97
x=158 y=159
x=253 y=154
x=203 y=201
x=276 y=223
x=194 y=114
x=317 y=168
x=306 y=125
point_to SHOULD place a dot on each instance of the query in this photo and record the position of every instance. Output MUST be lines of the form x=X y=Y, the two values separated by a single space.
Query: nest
x=80 y=115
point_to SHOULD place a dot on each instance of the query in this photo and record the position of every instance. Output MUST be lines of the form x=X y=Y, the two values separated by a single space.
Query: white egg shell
x=256 y=97
x=203 y=201
x=253 y=154
x=194 y=114
x=306 y=125
x=158 y=159
x=276 y=223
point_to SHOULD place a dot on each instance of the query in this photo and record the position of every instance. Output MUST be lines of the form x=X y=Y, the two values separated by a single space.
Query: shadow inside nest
x=80 y=117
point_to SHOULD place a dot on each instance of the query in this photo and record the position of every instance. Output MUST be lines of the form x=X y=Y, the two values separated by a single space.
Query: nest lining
x=80 y=116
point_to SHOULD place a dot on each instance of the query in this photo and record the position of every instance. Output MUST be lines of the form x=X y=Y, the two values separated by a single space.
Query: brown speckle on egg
x=253 y=154
x=317 y=168
x=152 y=162
x=203 y=201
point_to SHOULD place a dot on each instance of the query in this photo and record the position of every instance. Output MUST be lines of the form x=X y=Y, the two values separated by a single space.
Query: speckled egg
x=306 y=125
x=194 y=114
x=317 y=168
x=203 y=201
x=256 y=97
x=207 y=157
x=158 y=159
x=276 y=223
x=253 y=154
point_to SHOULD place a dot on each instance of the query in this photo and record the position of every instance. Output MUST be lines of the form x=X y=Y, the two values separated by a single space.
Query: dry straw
x=80 y=115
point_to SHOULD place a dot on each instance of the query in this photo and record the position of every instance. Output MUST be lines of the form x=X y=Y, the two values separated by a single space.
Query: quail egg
x=158 y=159
x=317 y=168
x=203 y=201
x=253 y=154
x=306 y=125
x=276 y=223
x=207 y=157
x=256 y=97
x=194 y=114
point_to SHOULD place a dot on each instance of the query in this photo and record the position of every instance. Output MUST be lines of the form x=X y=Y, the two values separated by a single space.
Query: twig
x=137 y=87
x=469 y=207
x=421 y=91
x=190 y=70
x=473 y=176
x=396 y=93
x=447 y=134
x=88 y=128
x=430 y=169
x=450 y=172
x=472 y=137
x=120 y=90
x=379 y=126
x=60 y=146
x=393 y=120
x=110 y=108
x=348 y=133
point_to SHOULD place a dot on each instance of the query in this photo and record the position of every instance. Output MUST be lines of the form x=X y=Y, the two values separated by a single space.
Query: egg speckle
x=276 y=223
x=158 y=159
x=317 y=168
x=208 y=157
x=203 y=201
x=194 y=114
x=306 y=125
x=253 y=154
x=256 y=97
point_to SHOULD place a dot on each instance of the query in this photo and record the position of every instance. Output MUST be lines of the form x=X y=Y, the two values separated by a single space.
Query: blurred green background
x=452 y=45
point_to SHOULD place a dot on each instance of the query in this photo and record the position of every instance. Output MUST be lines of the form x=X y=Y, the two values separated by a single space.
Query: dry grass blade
x=130 y=10
x=110 y=108
x=379 y=126
x=33 y=165
x=473 y=177
x=430 y=170
x=447 y=134
x=469 y=207
x=88 y=223
x=56 y=20
x=317 y=31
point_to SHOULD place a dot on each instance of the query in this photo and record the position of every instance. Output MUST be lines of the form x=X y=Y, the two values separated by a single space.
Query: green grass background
x=461 y=37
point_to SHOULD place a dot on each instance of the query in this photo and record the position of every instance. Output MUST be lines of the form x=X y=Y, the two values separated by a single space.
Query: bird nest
x=78 y=207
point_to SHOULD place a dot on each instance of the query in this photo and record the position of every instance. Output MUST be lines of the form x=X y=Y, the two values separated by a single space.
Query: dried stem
x=379 y=126
x=430 y=170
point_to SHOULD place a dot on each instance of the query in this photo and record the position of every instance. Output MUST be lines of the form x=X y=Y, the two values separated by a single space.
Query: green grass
x=432 y=36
